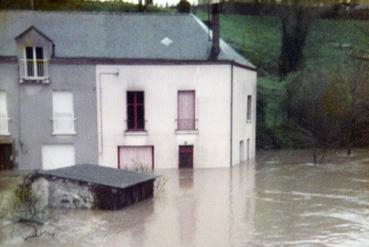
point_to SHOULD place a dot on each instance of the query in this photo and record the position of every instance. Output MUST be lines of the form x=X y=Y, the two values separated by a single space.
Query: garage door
x=136 y=157
x=57 y=156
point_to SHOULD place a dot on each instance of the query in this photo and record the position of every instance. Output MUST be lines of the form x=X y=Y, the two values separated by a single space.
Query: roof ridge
x=95 y=12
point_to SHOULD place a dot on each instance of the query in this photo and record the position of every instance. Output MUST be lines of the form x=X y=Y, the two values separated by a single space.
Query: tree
x=184 y=6
x=308 y=124
x=347 y=102
x=296 y=18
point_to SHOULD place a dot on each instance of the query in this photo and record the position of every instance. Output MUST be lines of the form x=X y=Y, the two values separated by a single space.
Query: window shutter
x=63 y=114
x=186 y=110
x=3 y=114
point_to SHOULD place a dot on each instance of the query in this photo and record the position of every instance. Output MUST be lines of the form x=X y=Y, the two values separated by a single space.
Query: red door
x=185 y=157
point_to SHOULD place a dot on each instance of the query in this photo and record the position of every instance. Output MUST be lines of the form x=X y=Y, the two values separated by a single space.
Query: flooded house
x=122 y=89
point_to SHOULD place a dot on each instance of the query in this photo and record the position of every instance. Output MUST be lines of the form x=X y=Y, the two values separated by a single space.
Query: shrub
x=183 y=7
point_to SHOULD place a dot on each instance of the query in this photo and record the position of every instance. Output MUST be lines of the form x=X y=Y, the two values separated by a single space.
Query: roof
x=115 y=35
x=100 y=175
x=36 y=30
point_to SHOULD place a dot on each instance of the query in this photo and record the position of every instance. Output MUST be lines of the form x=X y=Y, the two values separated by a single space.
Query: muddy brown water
x=269 y=204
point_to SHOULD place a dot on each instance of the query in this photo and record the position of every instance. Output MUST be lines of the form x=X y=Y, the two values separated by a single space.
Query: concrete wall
x=32 y=128
x=99 y=135
x=244 y=84
x=212 y=85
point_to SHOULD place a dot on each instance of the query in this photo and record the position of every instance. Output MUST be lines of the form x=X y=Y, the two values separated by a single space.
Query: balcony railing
x=186 y=124
x=34 y=69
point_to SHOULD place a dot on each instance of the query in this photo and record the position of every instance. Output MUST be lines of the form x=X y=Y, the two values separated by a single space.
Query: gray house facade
x=28 y=82
x=54 y=66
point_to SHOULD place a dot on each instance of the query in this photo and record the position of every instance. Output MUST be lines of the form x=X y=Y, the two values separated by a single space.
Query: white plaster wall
x=160 y=84
x=244 y=83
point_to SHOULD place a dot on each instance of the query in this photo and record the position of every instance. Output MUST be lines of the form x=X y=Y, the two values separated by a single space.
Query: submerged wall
x=65 y=193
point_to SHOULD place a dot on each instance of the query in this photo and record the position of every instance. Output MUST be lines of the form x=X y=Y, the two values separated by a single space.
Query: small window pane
x=29 y=52
x=130 y=97
x=39 y=53
x=140 y=97
x=140 y=117
x=131 y=117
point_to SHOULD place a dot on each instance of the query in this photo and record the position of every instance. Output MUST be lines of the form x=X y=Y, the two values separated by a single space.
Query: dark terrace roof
x=115 y=35
x=100 y=175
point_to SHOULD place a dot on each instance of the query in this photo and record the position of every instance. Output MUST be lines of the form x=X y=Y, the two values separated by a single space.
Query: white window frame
x=55 y=118
x=24 y=64
x=4 y=119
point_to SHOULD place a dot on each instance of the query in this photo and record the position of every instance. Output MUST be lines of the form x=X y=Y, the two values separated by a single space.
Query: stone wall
x=62 y=193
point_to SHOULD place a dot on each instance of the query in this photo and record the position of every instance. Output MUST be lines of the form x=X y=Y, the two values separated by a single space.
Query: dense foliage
x=324 y=102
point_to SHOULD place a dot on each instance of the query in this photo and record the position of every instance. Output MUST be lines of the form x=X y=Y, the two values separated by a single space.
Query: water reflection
x=277 y=204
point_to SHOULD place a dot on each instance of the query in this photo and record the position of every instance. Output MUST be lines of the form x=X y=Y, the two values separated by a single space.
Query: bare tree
x=346 y=100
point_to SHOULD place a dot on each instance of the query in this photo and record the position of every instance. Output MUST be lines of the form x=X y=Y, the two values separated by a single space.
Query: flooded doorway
x=6 y=157
x=248 y=149
x=242 y=151
x=185 y=157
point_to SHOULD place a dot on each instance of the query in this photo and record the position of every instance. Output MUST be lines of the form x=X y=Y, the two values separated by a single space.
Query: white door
x=136 y=157
x=57 y=156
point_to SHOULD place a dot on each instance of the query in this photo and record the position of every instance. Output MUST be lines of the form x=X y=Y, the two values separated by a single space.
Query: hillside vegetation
x=329 y=48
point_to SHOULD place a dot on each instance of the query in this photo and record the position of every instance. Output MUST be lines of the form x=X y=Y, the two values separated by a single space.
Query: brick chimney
x=215 y=21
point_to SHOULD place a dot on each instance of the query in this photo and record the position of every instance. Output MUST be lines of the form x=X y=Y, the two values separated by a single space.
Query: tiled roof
x=115 y=35
x=99 y=175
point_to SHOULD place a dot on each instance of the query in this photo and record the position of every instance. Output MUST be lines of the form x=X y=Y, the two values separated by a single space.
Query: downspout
x=99 y=107
x=231 y=120
x=20 y=142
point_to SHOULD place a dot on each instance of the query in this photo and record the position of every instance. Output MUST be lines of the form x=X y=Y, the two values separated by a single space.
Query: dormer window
x=34 y=64
x=34 y=50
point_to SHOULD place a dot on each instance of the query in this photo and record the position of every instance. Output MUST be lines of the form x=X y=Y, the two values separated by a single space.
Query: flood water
x=273 y=203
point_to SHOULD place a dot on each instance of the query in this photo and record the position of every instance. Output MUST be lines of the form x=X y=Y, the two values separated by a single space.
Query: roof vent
x=166 y=41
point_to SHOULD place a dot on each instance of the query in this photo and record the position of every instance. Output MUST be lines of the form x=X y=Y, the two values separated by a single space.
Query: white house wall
x=244 y=83
x=160 y=84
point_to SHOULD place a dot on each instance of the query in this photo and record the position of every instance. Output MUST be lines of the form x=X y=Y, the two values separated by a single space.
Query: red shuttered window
x=186 y=110
x=135 y=111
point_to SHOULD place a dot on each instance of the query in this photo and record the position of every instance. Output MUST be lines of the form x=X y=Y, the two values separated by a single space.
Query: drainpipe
x=231 y=120
x=99 y=107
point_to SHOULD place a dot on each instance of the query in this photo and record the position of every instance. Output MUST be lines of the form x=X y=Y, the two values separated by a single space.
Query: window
x=63 y=114
x=249 y=107
x=136 y=157
x=57 y=156
x=3 y=115
x=186 y=110
x=135 y=111
x=34 y=63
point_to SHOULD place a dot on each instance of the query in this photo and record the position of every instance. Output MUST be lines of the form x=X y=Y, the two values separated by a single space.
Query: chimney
x=215 y=47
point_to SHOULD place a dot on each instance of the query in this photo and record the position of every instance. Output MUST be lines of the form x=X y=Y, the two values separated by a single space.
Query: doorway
x=242 y=151
x=185 y=157
x=6 y=157
x=248 y=149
